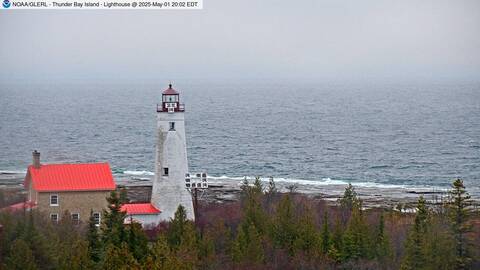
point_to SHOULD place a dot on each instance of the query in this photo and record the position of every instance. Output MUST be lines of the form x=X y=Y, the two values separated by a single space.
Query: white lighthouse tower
x=171 y=164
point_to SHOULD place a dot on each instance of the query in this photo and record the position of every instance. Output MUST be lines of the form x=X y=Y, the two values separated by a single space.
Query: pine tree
x=40 y=245
x=113 y=229
x=94 y=245
x=177 y=227
x=325 y=234
x=124 y=196
x=337 y=241
x=382 y=243
x=20 y=256
x=188 y=249
x=349 y=198
x=355 y=239
x=119 y=258
x=161 y=256
x=137 y=241
x=415 y=245
x=206 y=251
x=77 y=256
x=284 y=226
x=308 y=239
x=257 y=185
x=440 y=245
x=272 y=188
x=270 y=195
x=459 y=215
x=247 y=247
x=253 y=211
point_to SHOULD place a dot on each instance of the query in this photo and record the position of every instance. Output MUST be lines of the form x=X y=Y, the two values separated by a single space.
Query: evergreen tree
x=188 y=250
x=284 y=226
x=41 y=246
x=257 y=186
x=247 y=247
x=206 y=251
x=325 y=234
x=382 y=243
x=459 y=215
x=272 y=188
x=161 y=256
x=308 y=239
x=270 y=195
x=76 y=256
x=137 y=241
x=244 y=187
x=253 y=211
x=349 y=198
x=355 y=239
x=337 y=240
x=20 y=256
x=124 y=196
x=415 y=245
x=177 y=227
x=94 y=245
x=440 y=251
x=113 y=229
x=118 y=258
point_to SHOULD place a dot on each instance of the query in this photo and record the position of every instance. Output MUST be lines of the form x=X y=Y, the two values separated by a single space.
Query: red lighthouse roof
x=170 y=91
x=71 y=177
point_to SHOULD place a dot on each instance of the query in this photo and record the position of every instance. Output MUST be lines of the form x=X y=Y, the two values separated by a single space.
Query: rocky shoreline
x=228 y=190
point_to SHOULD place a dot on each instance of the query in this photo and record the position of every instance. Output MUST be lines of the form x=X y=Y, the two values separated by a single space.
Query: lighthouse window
x=172 y=125
x=165 y=171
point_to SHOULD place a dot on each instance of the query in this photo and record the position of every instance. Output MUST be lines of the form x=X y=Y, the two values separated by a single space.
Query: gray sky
x=244 y=40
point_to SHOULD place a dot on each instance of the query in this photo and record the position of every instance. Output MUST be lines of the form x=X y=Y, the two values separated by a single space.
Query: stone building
x=55 y=189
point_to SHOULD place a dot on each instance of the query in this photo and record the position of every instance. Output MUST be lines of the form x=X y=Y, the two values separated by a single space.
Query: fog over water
x=377 y=93
x=247 y=40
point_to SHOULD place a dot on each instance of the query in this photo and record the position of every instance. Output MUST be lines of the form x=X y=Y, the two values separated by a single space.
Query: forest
x=264 y=229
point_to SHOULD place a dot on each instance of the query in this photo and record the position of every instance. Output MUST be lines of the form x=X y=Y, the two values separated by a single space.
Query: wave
x=326 y=182
x=380 y=166
x=303 y=182
x=139 y=173
x=12 y=172
x=141 y=178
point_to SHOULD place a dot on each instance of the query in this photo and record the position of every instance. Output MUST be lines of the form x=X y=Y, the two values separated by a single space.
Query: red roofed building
x=76 y=188
x=143 y=213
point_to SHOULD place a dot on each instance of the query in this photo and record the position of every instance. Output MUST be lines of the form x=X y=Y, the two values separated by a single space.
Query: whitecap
x=12 y=172
x=138 y=173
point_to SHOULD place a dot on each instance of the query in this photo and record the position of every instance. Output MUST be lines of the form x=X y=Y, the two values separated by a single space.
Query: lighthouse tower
x=171 y=164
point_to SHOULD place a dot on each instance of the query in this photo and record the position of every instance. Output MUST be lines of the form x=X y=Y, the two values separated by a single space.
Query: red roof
x=71 y=177
x=140 y=208
x=170 y=91
x=19 y=206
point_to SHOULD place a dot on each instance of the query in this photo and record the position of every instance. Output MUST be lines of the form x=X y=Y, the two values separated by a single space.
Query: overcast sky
x=248 y=39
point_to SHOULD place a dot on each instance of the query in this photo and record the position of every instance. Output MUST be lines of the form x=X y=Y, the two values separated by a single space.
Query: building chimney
x=36 y=159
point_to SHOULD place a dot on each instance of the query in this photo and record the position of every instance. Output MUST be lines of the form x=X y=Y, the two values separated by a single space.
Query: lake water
x=374 y=135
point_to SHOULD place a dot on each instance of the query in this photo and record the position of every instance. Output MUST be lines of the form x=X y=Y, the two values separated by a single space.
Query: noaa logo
x=6 y=3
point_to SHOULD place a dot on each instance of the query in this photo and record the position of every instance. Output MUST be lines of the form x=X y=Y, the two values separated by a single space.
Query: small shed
x=143 y=213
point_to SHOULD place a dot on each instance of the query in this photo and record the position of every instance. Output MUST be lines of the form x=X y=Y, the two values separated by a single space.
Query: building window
x=75 y=218
x=165 y=171
x=172 y=126
x=96 y=218
x=54 y=217
x=54 y=200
